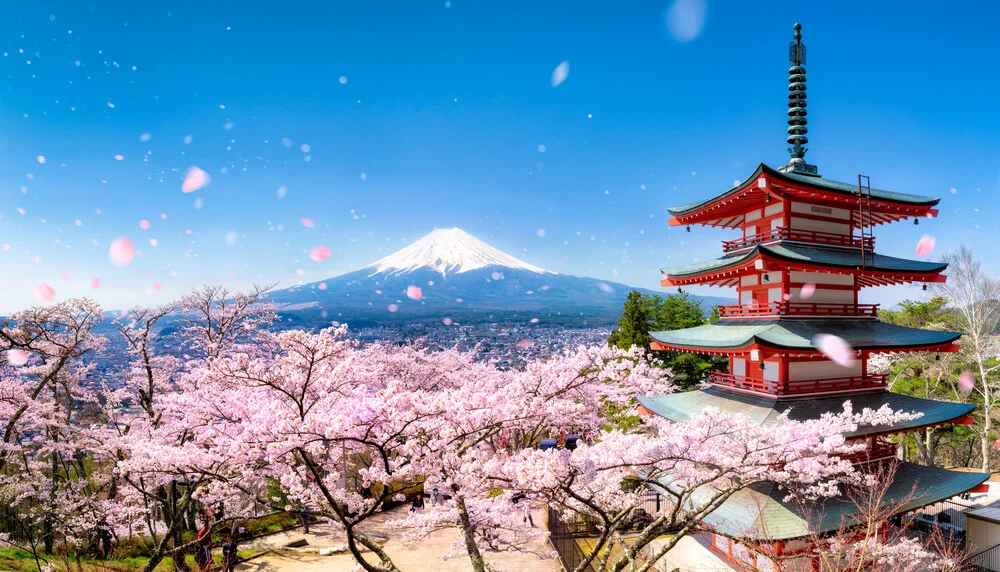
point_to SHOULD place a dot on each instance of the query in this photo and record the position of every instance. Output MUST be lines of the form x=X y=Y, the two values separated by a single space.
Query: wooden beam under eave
x=964 y=420
x=674 y=222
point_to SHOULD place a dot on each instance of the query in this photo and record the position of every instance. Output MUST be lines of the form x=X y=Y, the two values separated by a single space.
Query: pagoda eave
x=767 y=184
x=768 y=410
x=776 y=351
x=870 y=270
x=766 y=512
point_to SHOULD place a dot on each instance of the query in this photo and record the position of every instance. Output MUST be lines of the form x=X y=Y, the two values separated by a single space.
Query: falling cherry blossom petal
x=965 y=382
x=307 y=222
x=560 y=74
x=122 y=251
x=808 y=289
x=926 y=245
x=95 y=283
x=44 y=291
x=835 y=349
x=195 y=179
x=17 y=357
x=413 y=292
x=319 y=253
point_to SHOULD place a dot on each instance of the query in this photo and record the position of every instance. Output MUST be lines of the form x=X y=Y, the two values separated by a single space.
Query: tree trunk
x=987 y=412
x=475 y=556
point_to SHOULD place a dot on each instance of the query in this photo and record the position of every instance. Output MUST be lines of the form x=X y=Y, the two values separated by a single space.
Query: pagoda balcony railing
x=798 y=309
x=810 y=236
x=799 y=387
x=875 y=451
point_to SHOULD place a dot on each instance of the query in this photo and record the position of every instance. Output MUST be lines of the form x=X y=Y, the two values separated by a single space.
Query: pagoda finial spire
x=797 y=121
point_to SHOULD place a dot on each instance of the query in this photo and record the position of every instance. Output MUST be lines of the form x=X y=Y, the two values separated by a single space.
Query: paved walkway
x=426 y=555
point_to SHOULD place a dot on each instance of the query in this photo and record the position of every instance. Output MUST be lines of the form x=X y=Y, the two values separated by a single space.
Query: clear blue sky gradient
x=444 y=110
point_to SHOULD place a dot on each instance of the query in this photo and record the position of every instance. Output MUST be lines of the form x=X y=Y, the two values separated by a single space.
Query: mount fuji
x=451 y=275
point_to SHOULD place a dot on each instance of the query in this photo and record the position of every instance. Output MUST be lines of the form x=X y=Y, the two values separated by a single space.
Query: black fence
x=652 y=504
x=945 y=519
x=986 y=561
x=564 y=540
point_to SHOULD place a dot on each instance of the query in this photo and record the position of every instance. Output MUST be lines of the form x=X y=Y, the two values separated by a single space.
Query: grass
x=16 y=560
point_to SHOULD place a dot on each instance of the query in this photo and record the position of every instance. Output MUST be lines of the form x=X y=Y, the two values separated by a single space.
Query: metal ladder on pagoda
x=865 y=223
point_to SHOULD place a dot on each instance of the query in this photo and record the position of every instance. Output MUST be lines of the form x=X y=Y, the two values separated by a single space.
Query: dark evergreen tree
x=644 y=313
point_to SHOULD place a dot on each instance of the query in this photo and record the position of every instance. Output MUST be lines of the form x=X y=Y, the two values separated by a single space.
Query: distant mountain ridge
x=451 y=276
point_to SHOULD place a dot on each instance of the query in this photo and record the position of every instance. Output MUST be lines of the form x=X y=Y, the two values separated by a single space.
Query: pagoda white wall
x=823 y=296
x=820 y=218
x=799 y=370
x=799 y=223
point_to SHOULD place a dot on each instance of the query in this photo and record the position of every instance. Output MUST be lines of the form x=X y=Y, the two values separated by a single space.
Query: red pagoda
x=805 y=251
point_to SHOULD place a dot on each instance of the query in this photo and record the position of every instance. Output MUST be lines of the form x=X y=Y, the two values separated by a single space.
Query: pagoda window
x=775 y=295
x=739 y=367
x=771 y=371
x=750 y=230
x=753 y=215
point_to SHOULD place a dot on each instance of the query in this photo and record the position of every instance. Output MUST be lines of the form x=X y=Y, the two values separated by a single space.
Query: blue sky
x=420 y=115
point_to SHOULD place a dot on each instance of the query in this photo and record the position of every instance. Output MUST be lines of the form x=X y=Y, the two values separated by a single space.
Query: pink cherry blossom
x=965 y=382
x=835 y=349
x=393 y=307
x=195 y=179
x=95 y=283
x=413 y=292
x=144 y=224
x=44 y=291
x=122 y=251
x=319 y=253
x=925 y=245
x=119 y=158
x=65 y=276
x=808 y=289
x=322 y=286
x=307 y=222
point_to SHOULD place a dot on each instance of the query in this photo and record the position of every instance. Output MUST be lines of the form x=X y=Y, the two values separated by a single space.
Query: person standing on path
x=229 y=555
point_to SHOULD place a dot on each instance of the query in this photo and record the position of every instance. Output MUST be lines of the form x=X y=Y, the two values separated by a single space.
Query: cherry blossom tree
x=159 y=466
x=44 y=478
x=697 y=465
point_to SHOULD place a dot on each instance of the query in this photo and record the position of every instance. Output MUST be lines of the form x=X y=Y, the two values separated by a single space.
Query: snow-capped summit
x=449 y=251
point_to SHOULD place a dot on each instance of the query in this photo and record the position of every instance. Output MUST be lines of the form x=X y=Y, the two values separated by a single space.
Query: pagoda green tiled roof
x=861 y=334
x=811 y=181
x=831 y=257
x=763 y=511
x=681 y=406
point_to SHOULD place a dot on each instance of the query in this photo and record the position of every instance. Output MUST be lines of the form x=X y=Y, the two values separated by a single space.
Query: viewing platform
x=802 y=309
x=795 y=235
